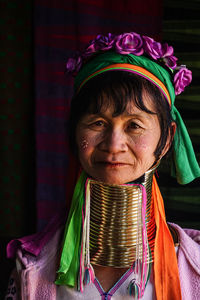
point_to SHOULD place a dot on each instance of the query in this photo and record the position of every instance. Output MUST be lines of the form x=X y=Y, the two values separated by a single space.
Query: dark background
x=36 y=37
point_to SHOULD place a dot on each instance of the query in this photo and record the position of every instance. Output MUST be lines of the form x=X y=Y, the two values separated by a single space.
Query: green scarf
x=70 y=258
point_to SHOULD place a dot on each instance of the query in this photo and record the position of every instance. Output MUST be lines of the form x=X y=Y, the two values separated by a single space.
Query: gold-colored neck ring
x=116 y=225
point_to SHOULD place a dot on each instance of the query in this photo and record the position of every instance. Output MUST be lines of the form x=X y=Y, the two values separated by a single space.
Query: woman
x=116 y=243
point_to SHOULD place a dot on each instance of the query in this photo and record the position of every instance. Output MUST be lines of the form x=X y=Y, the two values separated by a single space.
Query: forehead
x=120 y=106
x=147 y=101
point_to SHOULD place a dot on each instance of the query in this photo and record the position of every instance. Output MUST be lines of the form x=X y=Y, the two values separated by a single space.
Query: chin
x=114 y=175
x=111 y=179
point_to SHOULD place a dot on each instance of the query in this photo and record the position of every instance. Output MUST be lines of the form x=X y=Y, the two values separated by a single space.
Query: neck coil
x=116 y=222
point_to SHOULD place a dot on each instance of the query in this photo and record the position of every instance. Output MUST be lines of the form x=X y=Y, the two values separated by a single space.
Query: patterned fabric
x=60 y=28
x=13 y=290
x=94 y=291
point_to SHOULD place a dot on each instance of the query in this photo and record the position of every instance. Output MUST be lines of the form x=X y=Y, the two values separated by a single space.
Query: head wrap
x=184 y=165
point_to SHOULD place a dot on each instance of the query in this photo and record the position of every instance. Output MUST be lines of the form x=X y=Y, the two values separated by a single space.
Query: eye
x=133 y=125
x=99 y=123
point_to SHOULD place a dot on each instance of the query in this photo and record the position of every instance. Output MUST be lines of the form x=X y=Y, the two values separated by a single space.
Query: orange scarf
x=167 y=284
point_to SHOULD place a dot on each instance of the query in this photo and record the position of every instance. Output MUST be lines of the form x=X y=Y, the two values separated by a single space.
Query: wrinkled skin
x=118 y=149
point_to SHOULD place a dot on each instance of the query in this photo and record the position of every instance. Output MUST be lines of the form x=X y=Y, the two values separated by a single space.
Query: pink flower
x=133 y=43
x=170 y=61
x=73 y=64
x=101 y=42
x=168 y=57
x=166 y=50
x=160 y=52
x=152 y=48
x=90 y=49
x=182 y=79
x=129 y=43
x=104 y=42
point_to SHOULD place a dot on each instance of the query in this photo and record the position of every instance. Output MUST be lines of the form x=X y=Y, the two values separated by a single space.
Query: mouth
x=113 y=164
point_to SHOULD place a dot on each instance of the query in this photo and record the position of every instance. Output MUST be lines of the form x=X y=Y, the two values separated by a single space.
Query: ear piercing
x=84 y=144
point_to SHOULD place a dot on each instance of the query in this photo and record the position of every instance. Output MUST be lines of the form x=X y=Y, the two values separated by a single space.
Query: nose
x=114 y=141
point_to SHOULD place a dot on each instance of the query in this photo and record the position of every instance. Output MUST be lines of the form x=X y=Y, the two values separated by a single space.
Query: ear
x=170 y=138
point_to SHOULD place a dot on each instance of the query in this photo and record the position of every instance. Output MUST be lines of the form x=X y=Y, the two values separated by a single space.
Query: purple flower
x=104 y=42
x=182 y=79
x=129 y=43
x=73 y=64
x=101 y=42
x=167 y=50
x=152 y=48
x=170 y=61
x=90 y=49
x=158 y=51
x=133 y=43
x=168 y=57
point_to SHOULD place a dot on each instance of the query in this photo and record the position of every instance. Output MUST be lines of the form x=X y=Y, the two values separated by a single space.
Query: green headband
x=108 y=58
x=184 y=165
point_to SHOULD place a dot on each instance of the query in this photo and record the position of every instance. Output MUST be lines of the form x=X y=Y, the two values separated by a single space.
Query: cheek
x=88 y=141
x=84 y=150
x=142 y=144
x=83 y=144
x=86 y=146
x=82 y=140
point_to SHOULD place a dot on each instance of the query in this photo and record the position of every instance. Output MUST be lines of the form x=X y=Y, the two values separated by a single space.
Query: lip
x=113 y=164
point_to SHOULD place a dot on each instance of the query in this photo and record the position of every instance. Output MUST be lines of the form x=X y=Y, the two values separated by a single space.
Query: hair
x=119 y=88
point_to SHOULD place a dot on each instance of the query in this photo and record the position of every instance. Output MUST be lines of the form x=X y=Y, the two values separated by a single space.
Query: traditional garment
x=38 y=259
x=117 y=292
x=165 y=263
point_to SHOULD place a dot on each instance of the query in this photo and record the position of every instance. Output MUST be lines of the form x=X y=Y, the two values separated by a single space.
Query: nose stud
x=84 y=144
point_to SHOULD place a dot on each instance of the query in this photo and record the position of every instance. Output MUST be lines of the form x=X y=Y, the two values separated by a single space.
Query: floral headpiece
x=136 y=44
x=106 y=51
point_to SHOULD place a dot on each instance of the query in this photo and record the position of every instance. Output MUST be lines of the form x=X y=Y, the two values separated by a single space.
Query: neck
x=116 y=225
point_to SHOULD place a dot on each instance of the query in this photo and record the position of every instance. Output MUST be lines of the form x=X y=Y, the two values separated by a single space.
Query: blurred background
x=36 y=38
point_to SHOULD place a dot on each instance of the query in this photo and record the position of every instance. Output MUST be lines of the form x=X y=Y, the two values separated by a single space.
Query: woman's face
x=120 y=149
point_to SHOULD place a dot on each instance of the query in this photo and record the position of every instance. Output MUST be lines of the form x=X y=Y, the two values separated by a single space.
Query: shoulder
x=36 y=244
x=37 y=260
x=187 y=237
x=189 y=243
x=188 y=256
x=189 y=247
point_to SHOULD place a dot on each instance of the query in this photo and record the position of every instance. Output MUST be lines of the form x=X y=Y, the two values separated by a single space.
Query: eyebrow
x=136 y=115
x=126 y=114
